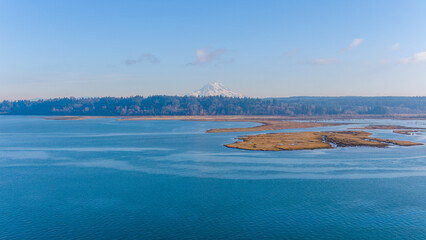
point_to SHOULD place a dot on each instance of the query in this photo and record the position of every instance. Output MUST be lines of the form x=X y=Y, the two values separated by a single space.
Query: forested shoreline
x=186 y=105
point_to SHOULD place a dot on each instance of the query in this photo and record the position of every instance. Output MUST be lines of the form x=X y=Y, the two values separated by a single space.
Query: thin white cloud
x=146 y=57
x=204 y=55
x=418 y=57
x=322 y=61
x=354 y=44
x=395 y=46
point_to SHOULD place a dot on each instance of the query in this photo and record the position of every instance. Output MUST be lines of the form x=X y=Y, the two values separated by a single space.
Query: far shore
x=247 y=117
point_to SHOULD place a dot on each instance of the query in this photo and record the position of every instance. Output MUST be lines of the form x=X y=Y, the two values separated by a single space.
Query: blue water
x=108 y=179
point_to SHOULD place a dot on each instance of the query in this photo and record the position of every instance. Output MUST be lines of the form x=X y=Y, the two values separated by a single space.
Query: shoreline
x=245 y=117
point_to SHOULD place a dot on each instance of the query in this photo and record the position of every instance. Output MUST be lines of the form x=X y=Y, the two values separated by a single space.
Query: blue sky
x=258 y=48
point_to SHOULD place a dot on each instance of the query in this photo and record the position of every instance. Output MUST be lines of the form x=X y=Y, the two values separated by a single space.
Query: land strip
x=274 y=125
x=396 y=129
x=268 y=122
x=313 y=140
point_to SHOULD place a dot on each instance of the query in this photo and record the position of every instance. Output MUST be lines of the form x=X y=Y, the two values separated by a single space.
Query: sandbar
x=396 y=129
x=268 y=122
x=274 y=125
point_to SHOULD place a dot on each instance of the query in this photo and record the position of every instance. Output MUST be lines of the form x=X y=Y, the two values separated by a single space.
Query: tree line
x=187 y=105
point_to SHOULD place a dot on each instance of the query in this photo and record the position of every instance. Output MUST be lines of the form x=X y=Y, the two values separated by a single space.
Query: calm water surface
x=108 y=179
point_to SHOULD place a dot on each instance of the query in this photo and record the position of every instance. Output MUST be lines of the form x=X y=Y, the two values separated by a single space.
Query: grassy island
x=313 y=140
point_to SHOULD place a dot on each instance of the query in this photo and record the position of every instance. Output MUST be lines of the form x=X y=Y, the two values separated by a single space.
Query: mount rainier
x=215 y=89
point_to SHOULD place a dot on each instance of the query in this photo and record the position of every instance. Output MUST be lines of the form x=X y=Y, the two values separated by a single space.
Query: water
x=108 y=179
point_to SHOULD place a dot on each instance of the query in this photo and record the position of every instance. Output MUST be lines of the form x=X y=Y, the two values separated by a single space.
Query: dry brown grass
x=313 y=140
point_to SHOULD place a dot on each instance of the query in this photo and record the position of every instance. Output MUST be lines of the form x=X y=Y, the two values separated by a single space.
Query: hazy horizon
x=260 y=49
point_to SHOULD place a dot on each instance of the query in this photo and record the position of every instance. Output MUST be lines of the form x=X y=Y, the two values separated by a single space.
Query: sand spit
x=268 y=122
x=390 y=127
x=409 y=132
x=313 y=140
x=274 y=125
x=396 y=129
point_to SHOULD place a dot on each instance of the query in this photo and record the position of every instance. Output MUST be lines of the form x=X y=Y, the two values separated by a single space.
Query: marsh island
x=313 y=140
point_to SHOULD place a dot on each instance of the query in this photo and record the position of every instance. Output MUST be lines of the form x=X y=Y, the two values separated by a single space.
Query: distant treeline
x=174 y=105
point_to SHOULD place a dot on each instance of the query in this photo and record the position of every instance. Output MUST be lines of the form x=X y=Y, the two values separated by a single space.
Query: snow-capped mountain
x=214 y=89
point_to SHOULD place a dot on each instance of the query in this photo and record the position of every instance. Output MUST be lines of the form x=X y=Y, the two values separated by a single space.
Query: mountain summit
x=214 y=89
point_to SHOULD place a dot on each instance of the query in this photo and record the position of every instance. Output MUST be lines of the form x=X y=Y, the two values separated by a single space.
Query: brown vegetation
x=313 y=140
